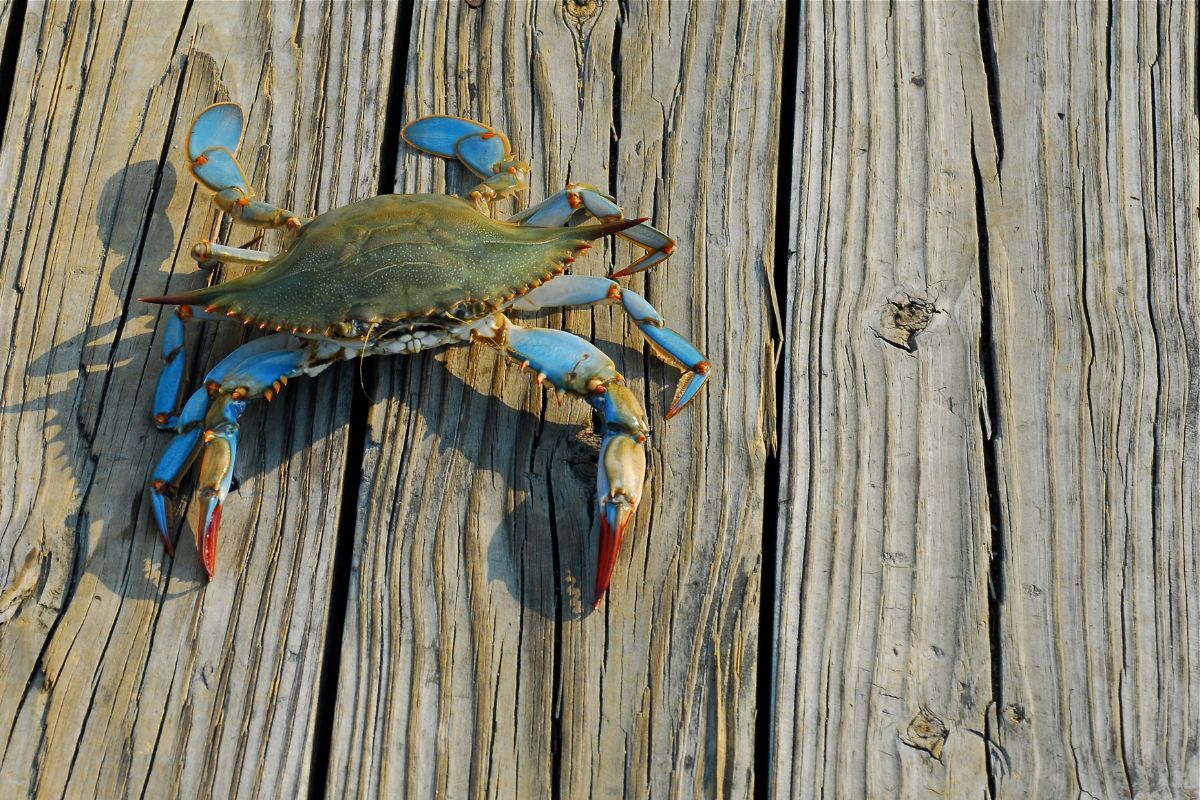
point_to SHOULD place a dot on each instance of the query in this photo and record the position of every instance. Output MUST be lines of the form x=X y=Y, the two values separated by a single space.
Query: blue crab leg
x=261 y=374
x=579 y=201
x=671 y=347
x=226 y=367
x=569 y=363
x=165 y=478
x=583 y=290
x=574 y=365
x=170 y=382
x=174 y=353
x=439 y=134
x=211 y=143
x=208 y=424
x=484 y=151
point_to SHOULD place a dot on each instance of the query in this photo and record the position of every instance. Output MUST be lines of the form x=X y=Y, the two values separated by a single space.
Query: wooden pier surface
x=933 y=528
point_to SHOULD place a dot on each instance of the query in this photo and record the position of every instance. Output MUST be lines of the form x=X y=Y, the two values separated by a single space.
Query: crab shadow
x=91 y=395
x=524 y=507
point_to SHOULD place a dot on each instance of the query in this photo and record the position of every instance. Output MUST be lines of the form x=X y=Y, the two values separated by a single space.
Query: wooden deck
x=934 y=528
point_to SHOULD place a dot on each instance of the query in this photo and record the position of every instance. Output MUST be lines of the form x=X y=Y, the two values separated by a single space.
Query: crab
x=402 y=274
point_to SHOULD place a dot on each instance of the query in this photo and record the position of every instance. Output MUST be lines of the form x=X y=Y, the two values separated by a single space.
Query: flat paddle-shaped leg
x=484 y=151
x=211 y=144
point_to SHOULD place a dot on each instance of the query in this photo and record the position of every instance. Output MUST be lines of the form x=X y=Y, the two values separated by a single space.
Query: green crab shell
x=396 y=257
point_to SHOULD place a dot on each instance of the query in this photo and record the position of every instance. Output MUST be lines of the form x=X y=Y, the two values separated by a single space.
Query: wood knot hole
x=926 y=732
x=903 y=318
x=581 y=9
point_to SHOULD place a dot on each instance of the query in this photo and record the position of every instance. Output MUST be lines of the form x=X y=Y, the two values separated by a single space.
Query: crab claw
x=621 y=474
x=216 y=475
x=618 y=490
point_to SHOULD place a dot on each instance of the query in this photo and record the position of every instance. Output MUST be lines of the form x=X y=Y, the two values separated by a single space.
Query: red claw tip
x=208 y=544
x=612 y=529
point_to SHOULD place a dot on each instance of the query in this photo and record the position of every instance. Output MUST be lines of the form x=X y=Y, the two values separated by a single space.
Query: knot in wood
x=903 y=318
x=926 y=732
x=581 y=9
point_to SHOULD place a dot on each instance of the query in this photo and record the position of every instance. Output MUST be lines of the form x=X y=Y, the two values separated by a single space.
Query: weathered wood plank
x=1094 y=253
x=883 y=562
x=122 y=673
x=6 y=18
x=472 y=664
x=1041 y=438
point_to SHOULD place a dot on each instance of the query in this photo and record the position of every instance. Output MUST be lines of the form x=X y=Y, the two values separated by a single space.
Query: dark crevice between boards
x=989 y=423
x=356 y=438
x=183 y=18
x=989 y=411
x=614 y=154
x=991 y=69
x=764 y=718
x=8 y=60
x=556 y=702
x=135 y=263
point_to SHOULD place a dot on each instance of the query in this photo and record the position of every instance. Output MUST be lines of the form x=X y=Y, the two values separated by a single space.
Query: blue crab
x=402 y=274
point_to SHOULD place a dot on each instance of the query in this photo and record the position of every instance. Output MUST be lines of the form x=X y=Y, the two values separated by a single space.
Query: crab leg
x=174 y=353
x=671 y=347
x=209 y=254
x=165 y=478
x=579 y=201
x=485 y=151
x=170 y=382
x=582 y=290
x=211 y=144
x=208 y=424
x=571 y=364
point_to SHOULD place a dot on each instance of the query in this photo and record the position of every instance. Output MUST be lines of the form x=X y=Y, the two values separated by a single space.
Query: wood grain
x=122 y=673
x=882 y=594
x=987 y=557
x=1092 y=194
x=472 y=662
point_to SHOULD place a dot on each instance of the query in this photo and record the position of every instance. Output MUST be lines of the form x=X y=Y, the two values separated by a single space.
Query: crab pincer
x=216 y=474
x=573 y=365
x=622 y=470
